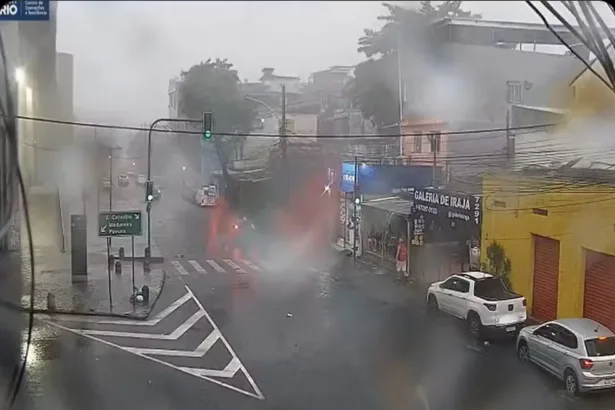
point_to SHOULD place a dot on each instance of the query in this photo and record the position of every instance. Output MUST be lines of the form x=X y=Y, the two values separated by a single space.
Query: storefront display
x=445 y=229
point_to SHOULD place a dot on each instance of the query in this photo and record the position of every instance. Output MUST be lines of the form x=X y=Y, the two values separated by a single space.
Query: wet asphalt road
x=309 y=334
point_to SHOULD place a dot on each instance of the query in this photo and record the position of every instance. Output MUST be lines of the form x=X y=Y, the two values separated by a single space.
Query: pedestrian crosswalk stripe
x=179 y=268
x=235 y=267
x=197 y=267
x=250 y=264
x=214 y=265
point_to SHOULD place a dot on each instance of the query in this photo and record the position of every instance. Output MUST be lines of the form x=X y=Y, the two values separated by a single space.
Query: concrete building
x=481 y=69
x=583 y=136
x=560 y=242
x=31 y=53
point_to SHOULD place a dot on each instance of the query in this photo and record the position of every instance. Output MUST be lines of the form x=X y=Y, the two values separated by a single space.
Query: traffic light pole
x=148 y=184
x=354 y=207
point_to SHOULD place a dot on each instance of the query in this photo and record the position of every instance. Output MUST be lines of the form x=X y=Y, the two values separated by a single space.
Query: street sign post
x=120 y=223
x=115 y=224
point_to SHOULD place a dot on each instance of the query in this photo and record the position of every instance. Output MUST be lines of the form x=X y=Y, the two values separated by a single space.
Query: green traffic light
x=207 y=135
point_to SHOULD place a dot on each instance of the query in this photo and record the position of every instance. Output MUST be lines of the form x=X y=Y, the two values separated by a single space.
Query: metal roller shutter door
x=599 y=293
x=546 y=278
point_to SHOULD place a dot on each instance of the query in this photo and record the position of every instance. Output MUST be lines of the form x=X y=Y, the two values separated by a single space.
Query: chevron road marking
x=176 y=334
x=235 y=267
x=200 y=351
x=211 y=375
x=228 y=372
x=150 y=322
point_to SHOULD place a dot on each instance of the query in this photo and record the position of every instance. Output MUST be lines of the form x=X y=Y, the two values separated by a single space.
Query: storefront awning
x=393 y=204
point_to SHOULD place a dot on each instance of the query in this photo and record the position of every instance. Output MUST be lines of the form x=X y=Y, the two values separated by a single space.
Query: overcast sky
x=126 y=52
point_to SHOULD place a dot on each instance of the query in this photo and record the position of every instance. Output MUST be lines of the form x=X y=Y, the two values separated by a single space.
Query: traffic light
x=357 y=195
x=208 y=125
x=149 y=191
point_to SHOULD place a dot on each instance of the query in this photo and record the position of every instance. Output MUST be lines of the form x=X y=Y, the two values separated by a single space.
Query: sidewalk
x=383 y=277
x=91 y=296
x=53 y=273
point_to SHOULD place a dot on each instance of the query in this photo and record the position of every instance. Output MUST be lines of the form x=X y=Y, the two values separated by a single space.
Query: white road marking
x=197 y=267
x=228 y=372
x=235 y=267
x=206 y=374
x=258 y=392
x=176 y=334
x=200 y=351
x=151 y=322
x=214 y=265
x=250 y=264
x=178 y=266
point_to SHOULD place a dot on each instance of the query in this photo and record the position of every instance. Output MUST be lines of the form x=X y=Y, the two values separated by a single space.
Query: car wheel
x=523 y=352
x=571 y=383
x=474 y=325
x=432 y=304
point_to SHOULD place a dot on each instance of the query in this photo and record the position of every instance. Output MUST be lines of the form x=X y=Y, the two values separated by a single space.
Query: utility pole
x=110 y=179
x=355 y=200
x=434 y=150
x=509 y=143
x=400 y=92
x=283 y=127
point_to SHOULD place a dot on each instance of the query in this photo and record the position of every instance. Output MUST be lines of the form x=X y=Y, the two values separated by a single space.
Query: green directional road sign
x=120 y=223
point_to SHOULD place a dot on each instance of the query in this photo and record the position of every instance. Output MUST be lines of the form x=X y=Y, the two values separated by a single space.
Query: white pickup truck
x=482 y=300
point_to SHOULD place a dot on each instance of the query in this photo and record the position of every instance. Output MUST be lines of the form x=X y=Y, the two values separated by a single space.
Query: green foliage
x=497 y=263
x=213 y=86
x=373 y=89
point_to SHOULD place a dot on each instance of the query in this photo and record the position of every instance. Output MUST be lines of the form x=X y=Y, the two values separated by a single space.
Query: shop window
x=434 y=141
x=418 y=143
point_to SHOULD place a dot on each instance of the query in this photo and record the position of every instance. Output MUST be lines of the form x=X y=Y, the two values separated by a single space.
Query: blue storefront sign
x=384 y=179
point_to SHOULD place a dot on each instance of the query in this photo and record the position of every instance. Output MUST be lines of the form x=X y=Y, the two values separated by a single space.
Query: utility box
x=78 y=247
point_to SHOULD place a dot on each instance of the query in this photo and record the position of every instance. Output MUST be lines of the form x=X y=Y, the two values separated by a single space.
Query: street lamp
x=264 y=104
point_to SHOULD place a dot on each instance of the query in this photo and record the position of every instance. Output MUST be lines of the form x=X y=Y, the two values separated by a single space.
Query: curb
x=152 y=259
x=143 y=317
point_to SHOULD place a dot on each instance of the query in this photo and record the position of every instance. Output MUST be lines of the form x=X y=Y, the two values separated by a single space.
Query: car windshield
x=600 y=346
x=490 y=288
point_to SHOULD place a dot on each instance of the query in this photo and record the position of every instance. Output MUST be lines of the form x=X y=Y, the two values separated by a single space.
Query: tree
x=498 y=264
x=372 y=89
x=213 y=86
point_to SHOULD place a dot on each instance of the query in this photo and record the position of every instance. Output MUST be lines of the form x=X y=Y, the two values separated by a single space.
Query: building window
x=514 y=92
x=418 y=143
x=434 y=142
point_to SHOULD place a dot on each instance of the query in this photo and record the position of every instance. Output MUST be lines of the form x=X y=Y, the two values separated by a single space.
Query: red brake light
x=490 y=306
x=586 y=364
x=524 y=302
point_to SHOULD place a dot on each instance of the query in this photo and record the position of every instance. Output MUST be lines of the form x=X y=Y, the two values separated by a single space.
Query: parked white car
x=482 y=300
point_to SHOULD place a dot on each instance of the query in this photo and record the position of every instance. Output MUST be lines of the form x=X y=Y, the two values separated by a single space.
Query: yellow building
x=559 y=234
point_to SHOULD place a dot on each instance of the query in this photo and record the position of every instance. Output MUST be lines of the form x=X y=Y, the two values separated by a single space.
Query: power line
x=228 y=134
